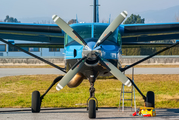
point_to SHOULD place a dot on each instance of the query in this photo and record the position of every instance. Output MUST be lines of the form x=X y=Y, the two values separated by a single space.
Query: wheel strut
x=53 y=83
x=144 y=98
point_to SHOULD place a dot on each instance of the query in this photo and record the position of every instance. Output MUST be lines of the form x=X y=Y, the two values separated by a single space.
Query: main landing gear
x=150 y=97
x=37 y=100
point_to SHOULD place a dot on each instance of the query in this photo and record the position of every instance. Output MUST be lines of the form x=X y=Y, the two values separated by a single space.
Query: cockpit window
x=99 y=29
x=83 y=30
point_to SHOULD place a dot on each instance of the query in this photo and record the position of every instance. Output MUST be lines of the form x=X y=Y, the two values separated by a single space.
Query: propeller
x=116 y=72
x=77 y=67
x=111 y=28
x=70 y=31
x=70 y=74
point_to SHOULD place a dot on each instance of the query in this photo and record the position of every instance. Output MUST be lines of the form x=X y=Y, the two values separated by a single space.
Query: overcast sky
x=67 y=9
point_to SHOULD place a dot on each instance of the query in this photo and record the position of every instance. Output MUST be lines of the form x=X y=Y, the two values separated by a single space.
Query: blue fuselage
x=90 y=32
x=110 y=49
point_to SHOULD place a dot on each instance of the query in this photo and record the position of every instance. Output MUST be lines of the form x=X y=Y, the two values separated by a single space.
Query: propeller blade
x=111 y=28
x=116 y=72
x=70 y=74
x=72 y=33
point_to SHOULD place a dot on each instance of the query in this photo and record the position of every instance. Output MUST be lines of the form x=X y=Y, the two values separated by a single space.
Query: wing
x=143 y=44
x=134 y=34
x=48 y=33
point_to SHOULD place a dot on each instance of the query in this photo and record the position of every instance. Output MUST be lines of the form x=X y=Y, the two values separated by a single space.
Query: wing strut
x=45 y=61
x=150 y=56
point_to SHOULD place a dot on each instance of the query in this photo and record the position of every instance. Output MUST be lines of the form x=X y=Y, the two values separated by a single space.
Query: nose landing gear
x=92 y=102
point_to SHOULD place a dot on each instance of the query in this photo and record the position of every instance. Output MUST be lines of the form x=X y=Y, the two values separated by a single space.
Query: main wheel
x=92 y=109
x=36 y=102
x=150 y=99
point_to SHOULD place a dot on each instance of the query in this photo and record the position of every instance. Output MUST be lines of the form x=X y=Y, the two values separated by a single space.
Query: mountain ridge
x=160 y=16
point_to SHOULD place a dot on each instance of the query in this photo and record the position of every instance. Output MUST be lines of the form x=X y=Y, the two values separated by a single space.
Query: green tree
x=11 y=19
x=134 y=19
x=72 y=21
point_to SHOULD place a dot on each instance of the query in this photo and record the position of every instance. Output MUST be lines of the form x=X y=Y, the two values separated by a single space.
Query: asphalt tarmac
x=82 y=114
x=34 y=71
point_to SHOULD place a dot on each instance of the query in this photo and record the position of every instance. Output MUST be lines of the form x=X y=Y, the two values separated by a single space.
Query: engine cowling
x=76 y=80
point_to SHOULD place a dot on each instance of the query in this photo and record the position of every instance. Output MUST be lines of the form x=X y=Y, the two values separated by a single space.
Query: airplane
x=91 y=50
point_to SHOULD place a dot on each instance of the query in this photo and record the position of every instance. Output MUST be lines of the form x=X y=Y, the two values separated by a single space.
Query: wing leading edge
x=149 y=32
x=49 y=33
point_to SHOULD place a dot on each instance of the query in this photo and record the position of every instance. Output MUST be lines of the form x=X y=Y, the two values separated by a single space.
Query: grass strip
x=15 y=91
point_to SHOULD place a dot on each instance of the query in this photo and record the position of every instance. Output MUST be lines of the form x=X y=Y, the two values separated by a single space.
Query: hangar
x=8 y=51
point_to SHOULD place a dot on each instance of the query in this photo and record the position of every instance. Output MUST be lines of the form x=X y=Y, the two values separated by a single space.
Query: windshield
x=86 y=31
x=83 y=30
x=99 y=29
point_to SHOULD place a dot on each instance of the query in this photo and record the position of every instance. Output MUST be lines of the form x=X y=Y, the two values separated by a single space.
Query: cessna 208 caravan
x=91 y=50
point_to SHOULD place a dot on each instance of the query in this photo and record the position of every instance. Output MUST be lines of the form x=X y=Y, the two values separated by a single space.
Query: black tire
x=150 y=99
x=36 y=102
x=92 y=109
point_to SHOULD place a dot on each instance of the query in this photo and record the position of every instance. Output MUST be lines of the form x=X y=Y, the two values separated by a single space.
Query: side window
x=119 y=41
x=2 y=47
x=66 y=39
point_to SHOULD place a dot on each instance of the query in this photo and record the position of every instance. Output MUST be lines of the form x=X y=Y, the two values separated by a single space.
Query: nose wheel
x=92 y=109
x=92 y=106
